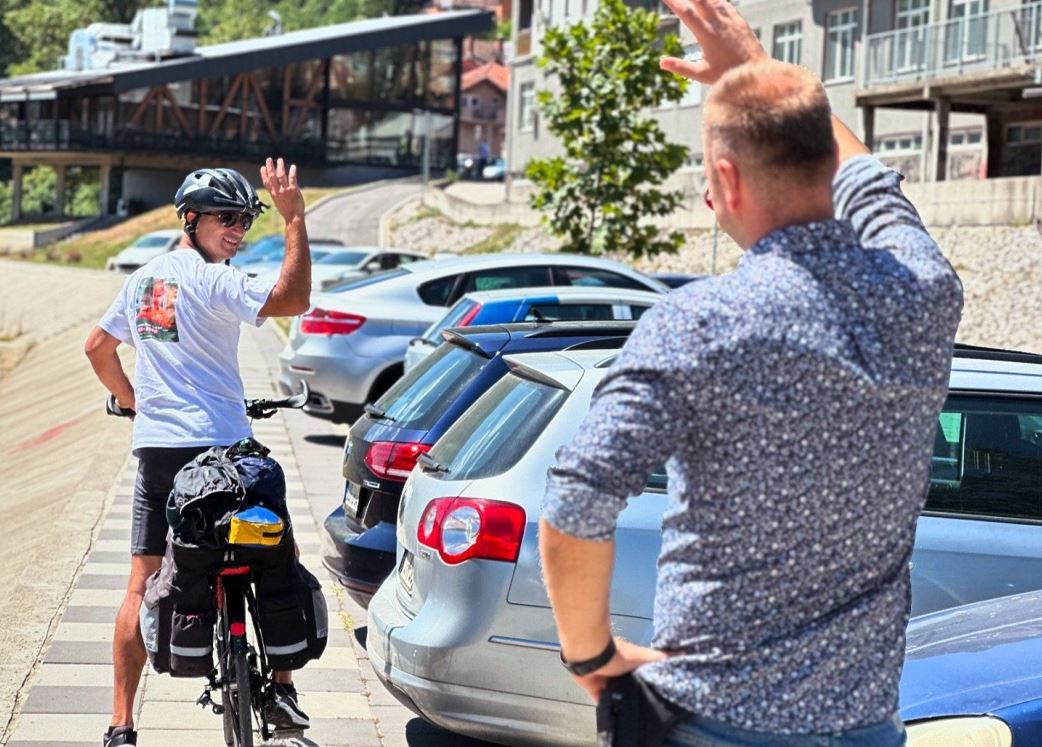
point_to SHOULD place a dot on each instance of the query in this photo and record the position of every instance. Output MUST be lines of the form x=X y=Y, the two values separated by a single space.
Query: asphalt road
x=354 y=217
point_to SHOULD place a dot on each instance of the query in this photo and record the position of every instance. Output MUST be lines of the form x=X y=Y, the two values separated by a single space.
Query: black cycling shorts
x=155 y=478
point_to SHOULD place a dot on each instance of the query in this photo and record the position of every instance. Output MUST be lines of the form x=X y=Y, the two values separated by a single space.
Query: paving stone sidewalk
x=67 y=700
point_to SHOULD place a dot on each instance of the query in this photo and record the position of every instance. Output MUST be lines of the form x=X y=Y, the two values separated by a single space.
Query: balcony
x=524 y=43
x=1002 y=40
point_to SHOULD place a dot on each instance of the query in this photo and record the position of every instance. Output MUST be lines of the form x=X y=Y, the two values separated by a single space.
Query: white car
x=146 y=248
x=355 y=262
x=548 y=304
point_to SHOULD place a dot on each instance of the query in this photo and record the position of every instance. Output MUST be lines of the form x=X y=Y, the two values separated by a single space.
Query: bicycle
x=242 y=674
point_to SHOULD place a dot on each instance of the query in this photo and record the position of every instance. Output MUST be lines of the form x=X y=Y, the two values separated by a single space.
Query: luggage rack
x=995 y=354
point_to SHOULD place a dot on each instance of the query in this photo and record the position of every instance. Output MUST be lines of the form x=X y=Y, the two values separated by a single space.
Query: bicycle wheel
x=243 y=699
x=228 y=714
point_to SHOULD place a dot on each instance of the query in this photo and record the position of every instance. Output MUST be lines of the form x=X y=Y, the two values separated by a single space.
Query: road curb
x=385 y=219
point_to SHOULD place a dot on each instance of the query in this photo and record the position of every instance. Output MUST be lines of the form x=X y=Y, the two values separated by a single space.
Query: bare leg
x=128 y=650
x=283 y=678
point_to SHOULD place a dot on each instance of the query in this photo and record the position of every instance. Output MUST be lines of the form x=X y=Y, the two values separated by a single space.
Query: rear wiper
x=429 y=464
x=375 y=412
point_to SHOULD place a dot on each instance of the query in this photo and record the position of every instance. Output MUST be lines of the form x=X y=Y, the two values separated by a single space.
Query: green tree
x=38 y=190
x=5 y=203
x=599 y=196
x=34 y=34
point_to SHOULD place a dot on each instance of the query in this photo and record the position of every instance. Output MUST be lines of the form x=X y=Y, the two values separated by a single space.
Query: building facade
x=941 y=89
x=483 y=109
x=348 y=102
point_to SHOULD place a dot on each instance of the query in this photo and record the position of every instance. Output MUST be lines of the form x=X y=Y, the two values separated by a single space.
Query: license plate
x=406 y=573
x=350 y=499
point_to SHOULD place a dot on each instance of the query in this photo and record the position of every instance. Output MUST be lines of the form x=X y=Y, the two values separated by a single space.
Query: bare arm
x=100 y=349
x=578 y=580
x=292 y=292
x=850 y=146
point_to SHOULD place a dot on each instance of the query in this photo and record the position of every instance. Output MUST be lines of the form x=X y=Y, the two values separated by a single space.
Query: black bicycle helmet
x=215 y=191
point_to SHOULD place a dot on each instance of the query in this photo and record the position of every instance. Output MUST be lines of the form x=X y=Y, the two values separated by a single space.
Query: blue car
x=973 y=674
x=586 y=302
x=383 y=446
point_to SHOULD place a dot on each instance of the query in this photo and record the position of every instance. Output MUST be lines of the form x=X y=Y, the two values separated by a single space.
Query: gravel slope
x=1000 y=267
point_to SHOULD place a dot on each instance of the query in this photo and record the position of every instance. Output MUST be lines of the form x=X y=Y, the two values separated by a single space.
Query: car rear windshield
x=151 y=242
x=456 y=313
x=423 y=395
x=987 y=459
x=498 y=429
x=342 y=258
x=378 y=277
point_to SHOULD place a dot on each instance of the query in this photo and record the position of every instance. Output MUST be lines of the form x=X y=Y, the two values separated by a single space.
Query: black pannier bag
x=206 y=492
x=178 y=615
x=294 y=621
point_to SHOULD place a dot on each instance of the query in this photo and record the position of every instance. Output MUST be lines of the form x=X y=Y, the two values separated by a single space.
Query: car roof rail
x=980 y=352
x=601 y=343
x=571 y=329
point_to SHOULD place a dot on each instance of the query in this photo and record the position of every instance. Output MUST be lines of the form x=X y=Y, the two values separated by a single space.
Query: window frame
x=526 y=106
x=836 y=33
x=784 y=38
x=977 y=394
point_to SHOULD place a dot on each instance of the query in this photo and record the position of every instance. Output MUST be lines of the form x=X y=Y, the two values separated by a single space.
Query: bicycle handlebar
x=259 y=409
x=256 y=409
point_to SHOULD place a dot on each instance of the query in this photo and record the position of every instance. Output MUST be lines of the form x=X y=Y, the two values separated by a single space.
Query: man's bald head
x=773 y=118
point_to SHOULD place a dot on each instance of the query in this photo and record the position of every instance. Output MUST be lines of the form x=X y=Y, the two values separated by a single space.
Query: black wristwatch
x=589 y=666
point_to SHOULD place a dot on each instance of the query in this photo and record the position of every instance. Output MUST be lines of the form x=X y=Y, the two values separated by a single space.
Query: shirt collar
x=807 y=237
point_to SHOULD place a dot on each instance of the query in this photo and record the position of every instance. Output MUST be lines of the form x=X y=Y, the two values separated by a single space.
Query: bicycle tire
x=243 y=701
x=227 y=714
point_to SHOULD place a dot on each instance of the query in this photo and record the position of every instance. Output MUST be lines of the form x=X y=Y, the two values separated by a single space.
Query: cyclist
x=181 y=312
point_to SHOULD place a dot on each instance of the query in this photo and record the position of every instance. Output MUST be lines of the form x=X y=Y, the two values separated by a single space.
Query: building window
x=1024 y=134
x=526 y=110
x=966 y=30
x=788 y=42
x=841 y=31
x=693 y=94
x=912 y=18
x=899 y=144
x=965 y=138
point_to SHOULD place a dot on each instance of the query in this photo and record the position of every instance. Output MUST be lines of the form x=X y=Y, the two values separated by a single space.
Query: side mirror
x=373 y=266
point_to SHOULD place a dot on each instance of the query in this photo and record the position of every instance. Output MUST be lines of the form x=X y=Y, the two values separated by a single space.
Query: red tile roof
x=493 y=72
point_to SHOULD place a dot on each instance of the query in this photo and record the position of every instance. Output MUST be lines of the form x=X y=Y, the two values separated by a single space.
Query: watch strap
x=588 y=666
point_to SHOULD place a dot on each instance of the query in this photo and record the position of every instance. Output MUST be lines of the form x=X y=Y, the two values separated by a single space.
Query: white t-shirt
x=182 y=314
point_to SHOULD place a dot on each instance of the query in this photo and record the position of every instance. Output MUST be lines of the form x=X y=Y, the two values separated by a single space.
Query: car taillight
x=469 y=316
x=392 y=460
x=464 y=528
x=325 y=322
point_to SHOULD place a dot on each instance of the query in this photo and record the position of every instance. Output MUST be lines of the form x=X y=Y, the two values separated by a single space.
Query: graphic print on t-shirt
x=156 y=306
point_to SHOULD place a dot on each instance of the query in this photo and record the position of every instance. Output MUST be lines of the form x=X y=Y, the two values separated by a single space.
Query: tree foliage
x=601 y=194
x=34 y=34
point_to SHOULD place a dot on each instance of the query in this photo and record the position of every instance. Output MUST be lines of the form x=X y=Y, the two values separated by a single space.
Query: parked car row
x=461 y=630
x=350 y=346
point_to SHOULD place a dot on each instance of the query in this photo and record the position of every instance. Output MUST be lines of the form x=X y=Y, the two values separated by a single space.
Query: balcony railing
x=976 y=43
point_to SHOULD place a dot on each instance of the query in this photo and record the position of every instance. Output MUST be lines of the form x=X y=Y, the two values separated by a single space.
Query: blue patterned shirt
x=794 y=402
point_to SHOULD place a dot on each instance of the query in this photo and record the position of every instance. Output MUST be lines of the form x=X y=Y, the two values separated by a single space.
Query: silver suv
x=350 y=347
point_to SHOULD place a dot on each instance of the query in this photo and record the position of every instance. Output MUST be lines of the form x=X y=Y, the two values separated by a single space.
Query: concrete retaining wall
x=25 y=240
x=994 y=202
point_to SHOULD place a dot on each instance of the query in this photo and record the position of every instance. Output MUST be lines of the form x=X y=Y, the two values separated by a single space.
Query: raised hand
x=725 y=38
x=283 y=188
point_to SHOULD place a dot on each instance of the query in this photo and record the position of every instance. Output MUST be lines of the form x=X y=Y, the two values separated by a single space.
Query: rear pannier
x=228 y=508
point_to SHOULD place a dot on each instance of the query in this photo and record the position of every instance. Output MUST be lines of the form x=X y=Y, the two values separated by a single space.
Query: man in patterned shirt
x=794 y=402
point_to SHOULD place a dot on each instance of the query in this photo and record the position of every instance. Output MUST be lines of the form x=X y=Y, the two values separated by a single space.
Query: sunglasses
x=708 y=199
x=229 y=219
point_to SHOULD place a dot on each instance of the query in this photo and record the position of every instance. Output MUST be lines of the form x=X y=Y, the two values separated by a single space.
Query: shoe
x=283 y=713
x=119 y=735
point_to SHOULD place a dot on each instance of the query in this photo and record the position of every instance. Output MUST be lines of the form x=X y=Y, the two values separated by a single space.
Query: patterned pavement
x=67 y=698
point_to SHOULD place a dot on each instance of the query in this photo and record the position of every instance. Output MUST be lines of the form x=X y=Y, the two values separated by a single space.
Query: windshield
x=151 y=242
x=378 y=277
x=498 y=429
x=343 y=258
x=451 y=319
x=429 y=389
